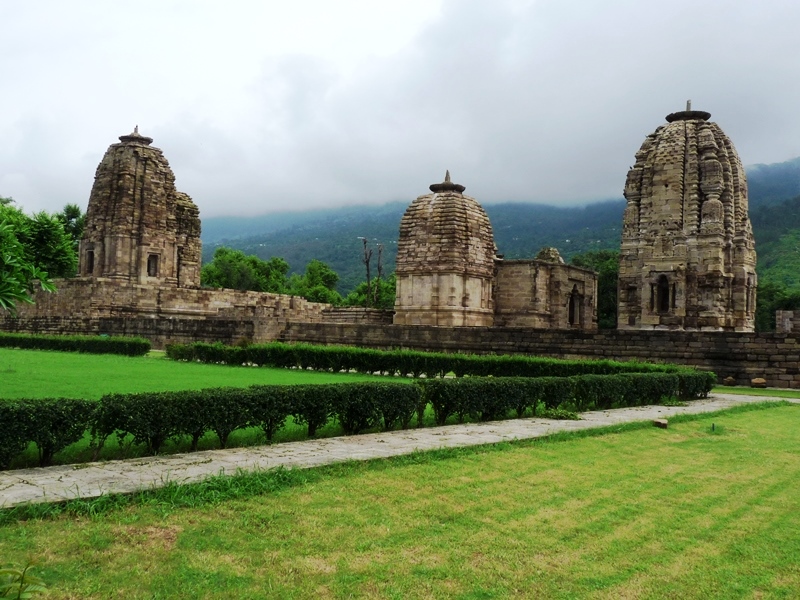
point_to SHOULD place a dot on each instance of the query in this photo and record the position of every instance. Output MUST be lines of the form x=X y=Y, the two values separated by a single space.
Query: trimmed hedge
x=126 y=346
x=404 y=362
x=153 y=418
x=496 y=398
x=52 y=423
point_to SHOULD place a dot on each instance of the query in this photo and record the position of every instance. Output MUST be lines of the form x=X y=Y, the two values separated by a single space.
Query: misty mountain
x=333 y=236
x=771 y=184
x=520 y=229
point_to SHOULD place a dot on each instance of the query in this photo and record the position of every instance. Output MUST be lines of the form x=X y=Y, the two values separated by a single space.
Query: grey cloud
x=540 y=101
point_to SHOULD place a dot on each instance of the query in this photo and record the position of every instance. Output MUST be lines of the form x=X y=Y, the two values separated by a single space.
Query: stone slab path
x=89 y=480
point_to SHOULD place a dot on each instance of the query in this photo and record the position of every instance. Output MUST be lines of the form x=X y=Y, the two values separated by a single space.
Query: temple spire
x=447 y=185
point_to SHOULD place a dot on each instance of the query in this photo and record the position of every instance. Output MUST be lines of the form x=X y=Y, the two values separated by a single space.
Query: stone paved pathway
x=54 y=484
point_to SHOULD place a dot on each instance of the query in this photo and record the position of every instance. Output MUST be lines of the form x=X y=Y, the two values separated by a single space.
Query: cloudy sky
x=264 y=106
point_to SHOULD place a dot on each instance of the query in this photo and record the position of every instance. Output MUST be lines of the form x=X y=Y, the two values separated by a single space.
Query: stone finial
x=447 y=185
x=688 y=114
x=136 y=137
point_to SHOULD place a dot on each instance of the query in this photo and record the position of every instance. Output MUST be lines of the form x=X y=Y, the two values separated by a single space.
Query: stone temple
x=688 y=256
x=445 y=260
x=450 y=275
x=139 y=228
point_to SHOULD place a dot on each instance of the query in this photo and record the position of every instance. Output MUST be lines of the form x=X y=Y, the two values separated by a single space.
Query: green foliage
x=77 y=343
x=383 y=294
x=313 y=406
x=45 y=243
x=777 y=232
x=494 y=398
x=606 y=264
x=51 y=423
x=73 y=219
x=773 y=296
x=232 y=269
x=20 y=583
x=56 y=423
x=150 y=418
x=17 y=272
x=14 y=432
x=153 y=418
x=403 y=362
x=270 y=405
x=318 y=284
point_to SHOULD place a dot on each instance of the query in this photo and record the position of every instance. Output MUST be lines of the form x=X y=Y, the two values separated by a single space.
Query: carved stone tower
x=445 y=261
x=139 y=228
x=688 y=257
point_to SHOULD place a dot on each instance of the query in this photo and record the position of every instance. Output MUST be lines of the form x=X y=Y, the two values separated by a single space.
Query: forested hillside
x=777 y=232
x=521 y=230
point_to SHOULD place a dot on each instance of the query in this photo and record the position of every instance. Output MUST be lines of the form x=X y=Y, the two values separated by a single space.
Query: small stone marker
x=660 y=423
x=729 y=381
x=758 y=382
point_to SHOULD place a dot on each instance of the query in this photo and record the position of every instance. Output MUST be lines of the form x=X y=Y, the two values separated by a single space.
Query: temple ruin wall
x=787 y=321
x=743 y=356
x=535 y=293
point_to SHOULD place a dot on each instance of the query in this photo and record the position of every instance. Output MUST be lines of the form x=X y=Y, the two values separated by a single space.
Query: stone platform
x=57 y=484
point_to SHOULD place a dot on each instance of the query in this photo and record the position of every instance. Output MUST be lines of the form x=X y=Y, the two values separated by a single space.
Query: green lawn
x=40 y=374
x=685 y=512
x=746 y=391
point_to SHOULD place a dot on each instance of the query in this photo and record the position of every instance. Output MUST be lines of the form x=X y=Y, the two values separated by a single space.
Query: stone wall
x=98 y=305
x=535 y=293
x=787 y=321
x=356 y=314
x=773 y=356
x=160 y=330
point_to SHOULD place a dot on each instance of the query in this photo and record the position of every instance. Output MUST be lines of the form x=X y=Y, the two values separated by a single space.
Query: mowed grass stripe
x=41 y=374
x=677 y=513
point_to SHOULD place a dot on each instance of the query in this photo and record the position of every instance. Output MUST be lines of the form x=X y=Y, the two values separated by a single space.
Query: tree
x=73 y=220
x=381 y=294
x=318 y=284
x=773 y=296
x=235 y=270
x=46 y=245
x=606 y=264
x=18 y=274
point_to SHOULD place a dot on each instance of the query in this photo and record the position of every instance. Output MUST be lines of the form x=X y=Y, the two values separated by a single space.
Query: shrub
x=405 y=362
x=152 y=418
x=77 y=343
x=14 y=432
x=311 y=404
x=55 y=423
x=269 y=406
x=225 y=410
x=149 y=417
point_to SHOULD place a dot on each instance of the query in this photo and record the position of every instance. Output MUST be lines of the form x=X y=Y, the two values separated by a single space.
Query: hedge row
x=153 y=418
x=495 y=398
x=403 y=362
x=77 y=343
